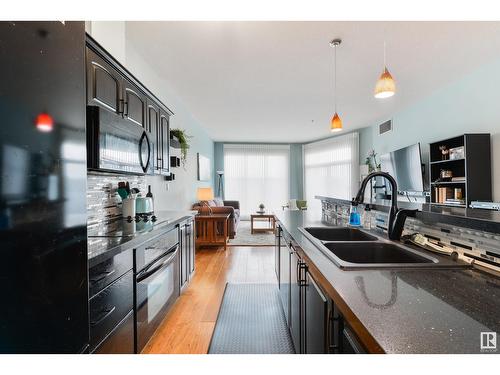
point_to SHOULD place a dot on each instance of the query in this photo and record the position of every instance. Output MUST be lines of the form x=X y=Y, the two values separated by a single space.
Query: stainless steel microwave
x=117 y=145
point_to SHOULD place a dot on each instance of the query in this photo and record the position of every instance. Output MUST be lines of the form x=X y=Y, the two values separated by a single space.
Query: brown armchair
x=219 y=206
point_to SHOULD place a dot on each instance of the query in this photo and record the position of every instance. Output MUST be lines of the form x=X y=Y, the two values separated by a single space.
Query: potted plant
x=371 y=162
x=183 y=137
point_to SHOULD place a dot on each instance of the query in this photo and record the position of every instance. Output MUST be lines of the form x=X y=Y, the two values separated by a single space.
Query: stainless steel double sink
x=352 y=248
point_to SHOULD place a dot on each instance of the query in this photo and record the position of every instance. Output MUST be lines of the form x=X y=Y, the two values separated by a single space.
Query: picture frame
x=204 y=168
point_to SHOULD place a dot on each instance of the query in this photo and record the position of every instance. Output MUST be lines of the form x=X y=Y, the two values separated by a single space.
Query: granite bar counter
x=120 y=235
x=405 y=310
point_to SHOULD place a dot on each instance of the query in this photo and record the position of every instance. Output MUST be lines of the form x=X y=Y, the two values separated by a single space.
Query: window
x=257 y=174
x=331 y=168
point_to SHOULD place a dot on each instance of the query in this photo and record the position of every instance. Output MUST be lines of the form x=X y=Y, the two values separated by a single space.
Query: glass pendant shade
x=336 y=123
x=385 y=86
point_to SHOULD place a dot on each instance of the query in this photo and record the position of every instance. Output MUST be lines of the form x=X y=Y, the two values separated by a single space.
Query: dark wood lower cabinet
x=316 y=314
x=350 y=343
x=296 y=302
x=284 y=279
x=187 y=252
x=109 y=307
x=315 y=323
x=121 y=339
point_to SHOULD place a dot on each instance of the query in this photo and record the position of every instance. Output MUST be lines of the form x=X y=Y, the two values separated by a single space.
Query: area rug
x=251 y=321
x=244 y=237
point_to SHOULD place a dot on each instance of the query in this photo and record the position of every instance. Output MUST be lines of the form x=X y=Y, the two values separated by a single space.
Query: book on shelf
x=458 y=179
x=442 y=194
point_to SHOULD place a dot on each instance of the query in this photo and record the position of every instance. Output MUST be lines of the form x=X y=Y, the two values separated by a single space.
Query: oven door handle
x=150 y=270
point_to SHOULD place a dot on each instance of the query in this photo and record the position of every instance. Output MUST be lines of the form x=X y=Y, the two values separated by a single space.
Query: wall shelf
x=475 y=168
x=448 y=182
x=446 y=161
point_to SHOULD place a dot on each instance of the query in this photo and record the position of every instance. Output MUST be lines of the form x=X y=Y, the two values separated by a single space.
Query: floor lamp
x=220 y=186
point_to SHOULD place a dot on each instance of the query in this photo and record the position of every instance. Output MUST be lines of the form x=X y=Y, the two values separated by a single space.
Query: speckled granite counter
x=408 y=311
x=119 y=236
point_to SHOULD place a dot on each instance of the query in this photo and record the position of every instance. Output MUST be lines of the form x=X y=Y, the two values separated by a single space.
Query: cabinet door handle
x=302 y=271
x=125 y=112
x=104 y=315
x=121 y=106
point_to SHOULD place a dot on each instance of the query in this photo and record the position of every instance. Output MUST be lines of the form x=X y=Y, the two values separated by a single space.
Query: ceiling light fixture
x=44 y=122
x=385 y=87
x=336 y=123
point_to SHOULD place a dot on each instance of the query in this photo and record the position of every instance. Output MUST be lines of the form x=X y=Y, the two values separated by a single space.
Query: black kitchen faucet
x=397 y=217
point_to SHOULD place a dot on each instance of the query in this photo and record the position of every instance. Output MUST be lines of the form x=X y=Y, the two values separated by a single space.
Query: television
x=405 y=165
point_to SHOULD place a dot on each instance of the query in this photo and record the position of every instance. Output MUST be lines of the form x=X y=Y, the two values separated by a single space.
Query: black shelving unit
x=474 y=168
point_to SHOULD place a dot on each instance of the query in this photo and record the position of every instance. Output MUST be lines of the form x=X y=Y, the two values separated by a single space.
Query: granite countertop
x=103 y=245
x=473 y=218
x=404 y=310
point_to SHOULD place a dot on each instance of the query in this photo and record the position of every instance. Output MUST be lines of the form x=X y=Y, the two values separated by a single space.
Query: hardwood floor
x=188 y=327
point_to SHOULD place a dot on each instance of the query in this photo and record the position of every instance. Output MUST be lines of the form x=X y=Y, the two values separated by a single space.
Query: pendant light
x=385 y=87
x=336 y=123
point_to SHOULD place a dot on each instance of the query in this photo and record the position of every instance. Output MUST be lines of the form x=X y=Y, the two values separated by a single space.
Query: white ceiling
x=272 y=81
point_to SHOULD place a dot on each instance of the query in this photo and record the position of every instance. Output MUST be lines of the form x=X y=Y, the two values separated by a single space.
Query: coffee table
x=263 y=217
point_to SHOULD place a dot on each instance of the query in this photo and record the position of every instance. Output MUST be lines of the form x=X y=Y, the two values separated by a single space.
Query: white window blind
x=256 y=174
x=331 y=168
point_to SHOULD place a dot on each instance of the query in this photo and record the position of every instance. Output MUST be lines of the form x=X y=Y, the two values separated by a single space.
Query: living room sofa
x=220 y=206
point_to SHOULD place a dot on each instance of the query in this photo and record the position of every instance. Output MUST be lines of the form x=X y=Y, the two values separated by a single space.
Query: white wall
x=181 y=193
x=110 y=35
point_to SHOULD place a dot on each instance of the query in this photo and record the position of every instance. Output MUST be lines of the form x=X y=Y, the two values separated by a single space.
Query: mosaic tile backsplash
x=103 y=202
x=483 y=247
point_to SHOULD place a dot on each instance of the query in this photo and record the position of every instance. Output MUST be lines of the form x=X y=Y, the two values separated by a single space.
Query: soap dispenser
x=354 y=217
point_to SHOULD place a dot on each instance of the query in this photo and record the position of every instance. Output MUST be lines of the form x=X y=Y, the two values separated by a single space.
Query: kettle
x=129 y=206
x=143 y=205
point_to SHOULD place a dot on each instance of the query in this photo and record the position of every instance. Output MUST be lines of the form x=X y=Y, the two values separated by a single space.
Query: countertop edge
x=141 y=239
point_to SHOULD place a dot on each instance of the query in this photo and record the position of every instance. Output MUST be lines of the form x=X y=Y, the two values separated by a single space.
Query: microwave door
x=123 y=147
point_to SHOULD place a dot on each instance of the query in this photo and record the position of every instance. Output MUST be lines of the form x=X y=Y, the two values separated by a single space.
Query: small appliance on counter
x=129 y=207
x=143 y=206
x=485 y=205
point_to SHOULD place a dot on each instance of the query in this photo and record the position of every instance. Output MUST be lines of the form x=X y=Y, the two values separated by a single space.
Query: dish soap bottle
x=354 y=217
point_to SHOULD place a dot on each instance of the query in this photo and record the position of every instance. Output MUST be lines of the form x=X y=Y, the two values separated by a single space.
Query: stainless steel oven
x=157 y=284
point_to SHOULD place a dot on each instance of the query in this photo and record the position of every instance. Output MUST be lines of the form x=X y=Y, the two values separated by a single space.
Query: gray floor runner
x=251 y=321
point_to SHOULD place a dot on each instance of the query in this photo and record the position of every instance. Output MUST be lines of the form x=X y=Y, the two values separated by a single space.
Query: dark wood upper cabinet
x=112 y=87
x=134 y=104
x=103 y=83
x=153 y=125
x=164 y=141
x=153 y=116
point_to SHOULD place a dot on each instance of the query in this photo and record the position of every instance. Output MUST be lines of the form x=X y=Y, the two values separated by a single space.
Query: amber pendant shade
x=336 y=123
x=385 y=87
